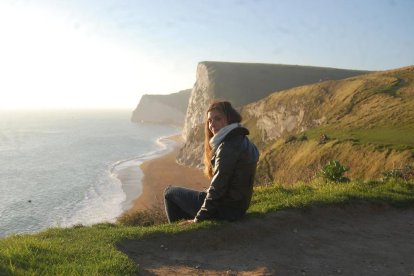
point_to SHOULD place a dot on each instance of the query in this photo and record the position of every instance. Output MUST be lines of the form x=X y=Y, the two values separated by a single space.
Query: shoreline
x=156 y=173
x=130 y=175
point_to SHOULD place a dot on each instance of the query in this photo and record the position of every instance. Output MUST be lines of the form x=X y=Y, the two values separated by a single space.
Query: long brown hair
x=233 y=116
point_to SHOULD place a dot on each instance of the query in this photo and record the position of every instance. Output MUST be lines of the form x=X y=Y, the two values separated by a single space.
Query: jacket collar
x=240 y=131
x=219 y=137
x=235 y=131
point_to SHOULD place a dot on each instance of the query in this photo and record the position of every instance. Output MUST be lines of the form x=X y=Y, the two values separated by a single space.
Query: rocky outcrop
x=289 y=112
x=241 y=84
x=163 y=109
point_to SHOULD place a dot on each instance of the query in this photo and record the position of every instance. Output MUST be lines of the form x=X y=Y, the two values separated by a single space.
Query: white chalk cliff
x=163 y=109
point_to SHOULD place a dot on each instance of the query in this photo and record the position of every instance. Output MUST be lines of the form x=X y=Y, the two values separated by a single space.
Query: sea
x=59 y=168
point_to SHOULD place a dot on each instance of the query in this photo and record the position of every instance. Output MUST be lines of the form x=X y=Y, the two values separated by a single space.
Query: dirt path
x=358 y=240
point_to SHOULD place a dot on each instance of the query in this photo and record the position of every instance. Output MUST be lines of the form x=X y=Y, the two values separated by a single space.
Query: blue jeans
x=181 y=203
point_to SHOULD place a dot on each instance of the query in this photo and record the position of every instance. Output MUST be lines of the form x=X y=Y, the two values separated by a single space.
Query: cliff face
x=242 y=83
x=164 y=109
x=200 y=97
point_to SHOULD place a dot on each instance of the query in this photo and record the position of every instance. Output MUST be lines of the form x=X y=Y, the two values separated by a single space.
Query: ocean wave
x=166 y=145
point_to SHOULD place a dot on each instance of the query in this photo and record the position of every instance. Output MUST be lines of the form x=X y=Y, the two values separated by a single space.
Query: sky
x=108 y=53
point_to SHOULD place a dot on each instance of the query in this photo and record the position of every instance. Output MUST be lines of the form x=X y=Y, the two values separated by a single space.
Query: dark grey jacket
x=234 y=167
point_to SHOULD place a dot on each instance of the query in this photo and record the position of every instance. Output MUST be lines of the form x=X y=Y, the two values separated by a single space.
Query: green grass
x=273 y=198
x=73 y=251
x=92 y=250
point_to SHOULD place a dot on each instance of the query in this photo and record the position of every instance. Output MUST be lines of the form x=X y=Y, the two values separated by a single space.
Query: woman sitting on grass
x=230 y=161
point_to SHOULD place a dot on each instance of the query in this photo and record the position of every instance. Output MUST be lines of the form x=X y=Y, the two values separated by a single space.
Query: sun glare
x=47 y=62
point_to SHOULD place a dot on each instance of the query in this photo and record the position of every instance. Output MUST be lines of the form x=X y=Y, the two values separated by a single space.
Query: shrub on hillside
x=153 y=216
x=293 y=138
x=406 y=173
x=334 y=171
x=323 y=139
x=303 y=137
x=290 y=138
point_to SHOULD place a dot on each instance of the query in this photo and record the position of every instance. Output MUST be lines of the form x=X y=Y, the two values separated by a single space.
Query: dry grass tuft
x=152 y=216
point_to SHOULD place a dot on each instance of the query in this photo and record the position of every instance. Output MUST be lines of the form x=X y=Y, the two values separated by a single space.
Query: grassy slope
x=369 y=120
x=92 y=250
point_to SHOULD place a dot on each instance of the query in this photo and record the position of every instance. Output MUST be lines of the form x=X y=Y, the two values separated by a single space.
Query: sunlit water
x=56 y=167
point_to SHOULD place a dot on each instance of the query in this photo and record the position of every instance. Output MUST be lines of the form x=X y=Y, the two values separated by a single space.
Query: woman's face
x=216 y=121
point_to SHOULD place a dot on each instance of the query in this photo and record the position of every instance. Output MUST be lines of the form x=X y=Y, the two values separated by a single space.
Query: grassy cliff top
x=103 y=249
x=244 y=83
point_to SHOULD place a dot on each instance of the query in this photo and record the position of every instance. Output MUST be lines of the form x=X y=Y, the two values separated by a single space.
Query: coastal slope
x=364 y=122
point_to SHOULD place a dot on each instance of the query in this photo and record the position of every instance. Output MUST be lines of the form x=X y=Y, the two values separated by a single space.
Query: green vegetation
x=93 y=250
x=334 y=171
x=406 y=173
x=395 y=192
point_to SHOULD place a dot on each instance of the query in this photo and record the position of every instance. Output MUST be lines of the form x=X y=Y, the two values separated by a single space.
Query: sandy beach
x=160 y=172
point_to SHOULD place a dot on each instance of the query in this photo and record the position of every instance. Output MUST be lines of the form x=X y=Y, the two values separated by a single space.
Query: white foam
x=102 y=202
x=166 y=145
x=133 y=187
